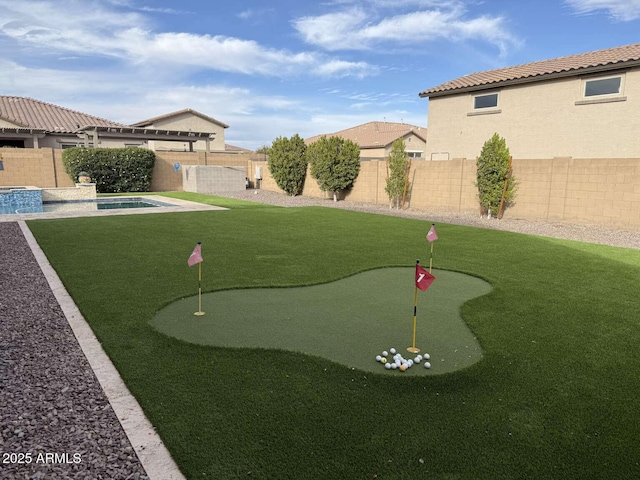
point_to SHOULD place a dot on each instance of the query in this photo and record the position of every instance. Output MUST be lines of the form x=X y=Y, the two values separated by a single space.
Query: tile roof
x=600 y=60
x=150 y=121
x=29 y=113
x=375 y=134
x=232 y=148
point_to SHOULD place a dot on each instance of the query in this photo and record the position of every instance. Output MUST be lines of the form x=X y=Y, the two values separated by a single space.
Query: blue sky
x=270 y=69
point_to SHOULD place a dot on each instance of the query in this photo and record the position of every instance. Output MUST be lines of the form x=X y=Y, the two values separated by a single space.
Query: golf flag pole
x=432 y=236
x=413 y=348
x=423 y=280
x=199 y=312
x=196 y=257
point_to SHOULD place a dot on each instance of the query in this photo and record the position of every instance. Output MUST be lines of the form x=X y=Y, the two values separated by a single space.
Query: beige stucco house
x=375 y=139
x=186 y=120
x=29 y=123
x=580 y=106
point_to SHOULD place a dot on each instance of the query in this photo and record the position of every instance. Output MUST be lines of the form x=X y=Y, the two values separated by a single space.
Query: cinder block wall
x=165 y=178
x=27 y=166
x=584 y=191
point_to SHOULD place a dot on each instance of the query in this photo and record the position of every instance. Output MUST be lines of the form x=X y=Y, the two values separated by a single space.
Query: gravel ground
x=54 y=416
x=582 y=233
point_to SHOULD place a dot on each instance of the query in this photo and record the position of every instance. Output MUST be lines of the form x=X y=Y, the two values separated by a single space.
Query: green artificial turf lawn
x=555 y=395
x=349 y=321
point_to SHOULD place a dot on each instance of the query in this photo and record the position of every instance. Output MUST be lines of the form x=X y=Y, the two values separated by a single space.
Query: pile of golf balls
x=398 y=362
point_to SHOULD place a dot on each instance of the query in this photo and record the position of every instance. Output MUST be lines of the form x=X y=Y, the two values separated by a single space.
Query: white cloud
x=129 y=38
x=623 y=10
x=255 y=13
x=357 y=28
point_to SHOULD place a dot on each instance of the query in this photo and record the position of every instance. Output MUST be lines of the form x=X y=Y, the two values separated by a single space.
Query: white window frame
x=484 y=110
x=492 y=94
x=605 y=97
x=586 y=81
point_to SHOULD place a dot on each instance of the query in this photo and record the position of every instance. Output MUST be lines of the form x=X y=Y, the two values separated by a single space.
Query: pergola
x=94 y=133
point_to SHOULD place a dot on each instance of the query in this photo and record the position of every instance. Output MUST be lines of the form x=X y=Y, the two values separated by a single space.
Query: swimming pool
x=107 y=203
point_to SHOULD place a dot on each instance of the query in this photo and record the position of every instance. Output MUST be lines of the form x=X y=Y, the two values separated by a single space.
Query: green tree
x=492 y=171
x=335 y=164
x=288 y=163
x=397 y=182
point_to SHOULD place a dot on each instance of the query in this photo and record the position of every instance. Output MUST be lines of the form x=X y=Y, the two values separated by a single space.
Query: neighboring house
x=376 y=138
x=29 y=123
x=186 y=120
x=580 y=106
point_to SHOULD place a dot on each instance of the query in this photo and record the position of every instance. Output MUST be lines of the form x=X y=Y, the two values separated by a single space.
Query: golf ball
x=426 y=356
x=383 y=360
x=427 y=365
x=403 y=368
x=394 y=365
x=384 y=354
x=378 y=358
x=393 y=350
x=410 y=363
x=418 y=359
x=387 y=366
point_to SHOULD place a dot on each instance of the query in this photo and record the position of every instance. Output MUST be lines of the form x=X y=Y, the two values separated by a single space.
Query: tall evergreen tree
x=397 y=181
x=492 y=170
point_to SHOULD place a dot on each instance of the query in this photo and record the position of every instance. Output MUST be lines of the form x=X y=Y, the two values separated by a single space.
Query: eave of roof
x=150 y=121
x=608 y=60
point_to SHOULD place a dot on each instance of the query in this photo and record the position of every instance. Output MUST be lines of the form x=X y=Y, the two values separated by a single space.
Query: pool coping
x=151 y=451
x=177 y=205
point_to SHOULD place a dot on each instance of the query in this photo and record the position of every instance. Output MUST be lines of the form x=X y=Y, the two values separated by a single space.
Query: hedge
x=113 y=170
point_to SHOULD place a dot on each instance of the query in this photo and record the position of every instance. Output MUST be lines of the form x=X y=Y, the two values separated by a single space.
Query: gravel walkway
x=53 y=412
x=582 y=233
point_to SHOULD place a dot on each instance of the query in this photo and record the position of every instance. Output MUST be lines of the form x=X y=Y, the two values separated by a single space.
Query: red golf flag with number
x=423 y=278
x=196 y=256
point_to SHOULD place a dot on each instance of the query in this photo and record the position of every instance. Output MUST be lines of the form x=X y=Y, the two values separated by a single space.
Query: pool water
x=115 y=205
x=88 y=205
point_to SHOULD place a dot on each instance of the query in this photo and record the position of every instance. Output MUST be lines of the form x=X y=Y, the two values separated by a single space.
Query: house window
x=485 y=101
x=603 y=86
x=414 y=154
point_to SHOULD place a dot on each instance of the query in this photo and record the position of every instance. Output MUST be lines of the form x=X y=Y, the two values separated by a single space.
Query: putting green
x=348 y=321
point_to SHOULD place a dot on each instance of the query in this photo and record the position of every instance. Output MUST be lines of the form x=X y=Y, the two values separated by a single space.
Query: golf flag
x=432 y=236
x=196 y=256
x=423 y=278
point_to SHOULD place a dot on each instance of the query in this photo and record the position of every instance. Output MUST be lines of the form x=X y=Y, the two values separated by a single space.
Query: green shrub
x=113 y=170
x=335 y=163
x=288 y=163
x=493 y=169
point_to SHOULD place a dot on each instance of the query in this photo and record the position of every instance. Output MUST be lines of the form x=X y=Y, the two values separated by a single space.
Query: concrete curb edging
x=153 y=455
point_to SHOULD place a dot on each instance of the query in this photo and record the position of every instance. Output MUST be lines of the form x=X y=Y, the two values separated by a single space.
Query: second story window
x=603 y=86
x=485 y=101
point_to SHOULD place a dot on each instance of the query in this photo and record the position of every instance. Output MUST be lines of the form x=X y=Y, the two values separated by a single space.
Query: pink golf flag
x=196 y=256
x=432 y=236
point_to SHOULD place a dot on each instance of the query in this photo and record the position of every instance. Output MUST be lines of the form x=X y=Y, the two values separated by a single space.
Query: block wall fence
x=583 y=191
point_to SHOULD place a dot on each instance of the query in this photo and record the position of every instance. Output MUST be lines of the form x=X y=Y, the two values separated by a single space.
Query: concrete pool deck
x=178 y=205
